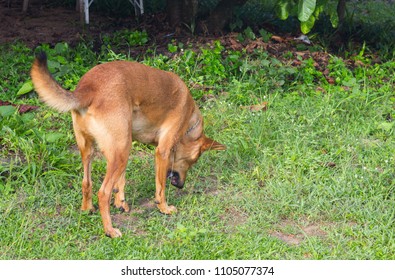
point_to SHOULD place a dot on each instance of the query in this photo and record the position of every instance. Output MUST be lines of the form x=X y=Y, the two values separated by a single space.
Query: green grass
x=310 y=177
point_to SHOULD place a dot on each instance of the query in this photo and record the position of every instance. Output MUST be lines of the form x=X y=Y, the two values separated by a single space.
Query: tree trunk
x=222 y=14
x=173 y=10
x=341 y=11
x=181 y=11
x=189 y=11
x=185 y=11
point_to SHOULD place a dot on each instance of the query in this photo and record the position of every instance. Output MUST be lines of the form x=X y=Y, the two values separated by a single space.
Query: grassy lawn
x=308 y=174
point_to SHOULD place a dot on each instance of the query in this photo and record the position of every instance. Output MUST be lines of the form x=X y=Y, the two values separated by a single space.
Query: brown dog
x=116 y=101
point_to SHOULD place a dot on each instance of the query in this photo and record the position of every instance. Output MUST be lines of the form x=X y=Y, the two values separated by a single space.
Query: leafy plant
x=6 y=111
x=249 y=33
x=126 y=37
x=184 y=235
x=307 y=11
x=212 y=69
x=308 y=72
x=25 y=88
x=265 y=35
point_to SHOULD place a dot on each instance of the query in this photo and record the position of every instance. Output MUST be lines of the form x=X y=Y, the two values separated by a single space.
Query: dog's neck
x=195 y=129
x=195 y=125
x=192 y=127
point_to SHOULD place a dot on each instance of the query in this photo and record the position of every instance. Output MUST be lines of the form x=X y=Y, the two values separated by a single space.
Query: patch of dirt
x=39 y=25
x=51 y=25
x=301 y=232
x=234 y=217
x=148 y=203
x=128 y=221
x=205 y=185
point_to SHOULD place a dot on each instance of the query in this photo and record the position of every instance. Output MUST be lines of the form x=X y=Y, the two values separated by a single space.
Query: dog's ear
x=212 y=145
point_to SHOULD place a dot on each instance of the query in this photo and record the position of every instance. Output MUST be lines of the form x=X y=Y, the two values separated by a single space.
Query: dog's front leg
x=161 y=165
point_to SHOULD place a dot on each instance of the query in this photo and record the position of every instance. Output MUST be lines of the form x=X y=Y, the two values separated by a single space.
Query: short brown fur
x=119 y=101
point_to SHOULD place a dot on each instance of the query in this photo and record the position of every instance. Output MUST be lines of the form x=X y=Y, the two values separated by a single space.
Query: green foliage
x=249 y=33
x=205 y=67
x=13 y=70
x=126 y=37
x=265 y=35
x=6 y=111
x=26 y=88
x=307 y=11
x=212 y=67
x=184 y=235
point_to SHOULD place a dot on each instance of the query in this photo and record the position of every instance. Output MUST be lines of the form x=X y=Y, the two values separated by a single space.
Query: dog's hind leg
x=87 y=180
x=85 y=145
x=115 y=147
x=116 y=165
x=119 y=190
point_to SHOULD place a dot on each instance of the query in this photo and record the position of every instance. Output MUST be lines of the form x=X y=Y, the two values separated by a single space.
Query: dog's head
x=186 y=154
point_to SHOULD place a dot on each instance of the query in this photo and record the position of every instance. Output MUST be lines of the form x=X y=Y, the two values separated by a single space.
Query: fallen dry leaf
x=330 y=80
x=330 y=164
x=26 y=108
x=21 y=108
x=256 y=108
x=277 y=39
x=254 y=45
x=235 y=45
x=320 y=89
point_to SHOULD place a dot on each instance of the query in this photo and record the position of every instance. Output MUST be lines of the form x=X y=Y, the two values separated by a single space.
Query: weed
x=126 y=37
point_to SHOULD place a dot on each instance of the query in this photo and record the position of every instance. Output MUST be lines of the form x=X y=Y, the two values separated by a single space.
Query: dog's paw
x=87 y=208
x=166 y=209
x=122 y=206
x=113 y=233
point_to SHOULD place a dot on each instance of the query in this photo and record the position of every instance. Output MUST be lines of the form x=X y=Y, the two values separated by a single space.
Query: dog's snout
x=174 y=177
x=169 y=174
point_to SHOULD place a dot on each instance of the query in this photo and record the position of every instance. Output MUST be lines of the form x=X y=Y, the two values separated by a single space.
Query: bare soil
x=299 y=231
x=43 y=24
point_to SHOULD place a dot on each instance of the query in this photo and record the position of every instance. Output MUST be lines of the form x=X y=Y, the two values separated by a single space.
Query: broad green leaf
x=320 y=7
x=61 y=59
x=306 y=9
x=6 y=111
x=53 y=136
x=334 y=18
x=240 y=38
x=283 y=8
x=25 y=88
x=306 y=26
x=249 y=33
x=265 y=35
x=27 y=117
x=53 y=65
x=61 y=48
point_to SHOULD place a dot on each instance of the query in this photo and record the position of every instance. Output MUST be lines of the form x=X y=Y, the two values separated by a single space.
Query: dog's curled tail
x=48 y=89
